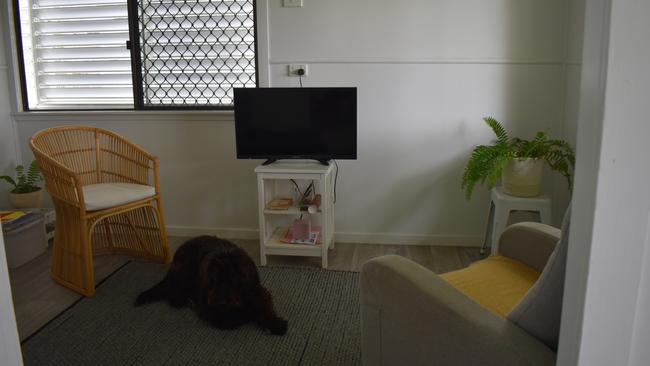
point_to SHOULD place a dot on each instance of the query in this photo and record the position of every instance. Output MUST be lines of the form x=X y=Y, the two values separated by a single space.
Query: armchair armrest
x=410 y=316
x=61 y=182
x=529 y=242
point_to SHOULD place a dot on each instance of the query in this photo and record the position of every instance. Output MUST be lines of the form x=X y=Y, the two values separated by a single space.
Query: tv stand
x=274 y=181
x=325 y=162
x=269 y=161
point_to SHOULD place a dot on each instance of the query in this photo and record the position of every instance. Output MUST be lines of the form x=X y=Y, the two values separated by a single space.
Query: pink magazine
x=288 y=236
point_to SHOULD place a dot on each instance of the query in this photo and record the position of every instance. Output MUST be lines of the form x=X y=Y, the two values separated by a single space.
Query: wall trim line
x=342 y=237
x=396 y=60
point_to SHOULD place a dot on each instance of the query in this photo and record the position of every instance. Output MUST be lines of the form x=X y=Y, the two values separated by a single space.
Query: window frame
x=20 y=55
x=138 y=97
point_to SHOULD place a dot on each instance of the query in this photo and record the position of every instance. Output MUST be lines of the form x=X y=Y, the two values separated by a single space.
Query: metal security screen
x=192 y=53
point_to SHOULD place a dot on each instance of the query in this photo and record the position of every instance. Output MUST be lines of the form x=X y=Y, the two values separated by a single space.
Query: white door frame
x=10 y=352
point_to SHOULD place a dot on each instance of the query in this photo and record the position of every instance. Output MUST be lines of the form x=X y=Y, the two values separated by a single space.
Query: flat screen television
x=296 y=123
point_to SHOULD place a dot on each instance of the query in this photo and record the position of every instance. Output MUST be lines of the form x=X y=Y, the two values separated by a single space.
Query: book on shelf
x=7 y=216
x=280 y=204
x=315 y=237
x=12 y=220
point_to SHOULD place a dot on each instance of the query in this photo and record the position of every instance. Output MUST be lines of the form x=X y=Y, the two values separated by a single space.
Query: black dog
x=221 y=281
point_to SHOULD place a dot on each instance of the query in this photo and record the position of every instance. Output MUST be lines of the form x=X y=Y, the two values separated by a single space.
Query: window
x=74 y=53
x=195 y=52
x=182 y=54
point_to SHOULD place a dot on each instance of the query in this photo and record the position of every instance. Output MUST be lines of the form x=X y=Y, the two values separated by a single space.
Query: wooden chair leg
x=163 y=231
x=89 y=277
x=72 y=261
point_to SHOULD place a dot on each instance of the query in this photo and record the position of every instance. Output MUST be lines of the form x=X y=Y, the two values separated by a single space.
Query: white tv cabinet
x=273 y=181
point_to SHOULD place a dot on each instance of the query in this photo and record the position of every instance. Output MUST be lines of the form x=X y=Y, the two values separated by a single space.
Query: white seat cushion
x=105 y=195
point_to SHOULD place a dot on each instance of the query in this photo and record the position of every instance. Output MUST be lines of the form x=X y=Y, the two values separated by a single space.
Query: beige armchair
x=411 y=316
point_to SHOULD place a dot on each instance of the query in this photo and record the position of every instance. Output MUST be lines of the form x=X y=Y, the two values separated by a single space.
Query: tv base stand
x=325 y=162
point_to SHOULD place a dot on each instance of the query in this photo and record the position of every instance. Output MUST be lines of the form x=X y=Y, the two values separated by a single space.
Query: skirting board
x=341 y=237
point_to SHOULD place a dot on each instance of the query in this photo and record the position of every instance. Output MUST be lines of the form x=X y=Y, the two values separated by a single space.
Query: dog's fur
x=221 y=282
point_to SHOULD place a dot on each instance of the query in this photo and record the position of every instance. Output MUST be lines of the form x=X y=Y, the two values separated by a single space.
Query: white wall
x=9 y=344
x=572 y=71
x=8 y=147
x=607 y=293
x=426 y=71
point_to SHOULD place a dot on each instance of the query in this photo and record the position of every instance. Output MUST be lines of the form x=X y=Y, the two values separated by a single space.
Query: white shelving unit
x=273 y=181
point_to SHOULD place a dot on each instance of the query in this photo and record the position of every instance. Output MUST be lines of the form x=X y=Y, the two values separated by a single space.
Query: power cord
x=300 y=73
x=307 y=192
x=297 y=188
x=336 y=178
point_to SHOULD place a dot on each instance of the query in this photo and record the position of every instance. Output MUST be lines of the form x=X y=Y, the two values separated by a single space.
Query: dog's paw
x=279 y=326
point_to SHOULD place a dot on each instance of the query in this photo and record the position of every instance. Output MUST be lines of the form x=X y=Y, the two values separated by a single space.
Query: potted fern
x=26 y=193
x=518 y=163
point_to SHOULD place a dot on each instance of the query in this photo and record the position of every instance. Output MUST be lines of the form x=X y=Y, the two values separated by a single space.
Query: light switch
x=292 y=3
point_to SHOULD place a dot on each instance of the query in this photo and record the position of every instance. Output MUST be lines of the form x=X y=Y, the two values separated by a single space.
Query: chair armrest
x=61 y=183
x=529 y=242
x=410 y=316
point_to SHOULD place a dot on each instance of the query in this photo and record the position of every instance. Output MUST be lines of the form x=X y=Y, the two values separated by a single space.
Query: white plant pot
x=26 y=200
x=522 y=177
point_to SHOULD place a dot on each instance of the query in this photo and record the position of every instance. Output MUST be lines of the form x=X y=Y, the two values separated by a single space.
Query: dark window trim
x=138 y=97
x=136 y=61
x=21 y=57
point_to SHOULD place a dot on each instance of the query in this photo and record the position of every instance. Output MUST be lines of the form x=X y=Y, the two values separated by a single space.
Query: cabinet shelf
x=293 y=210
x=274 y=245
x=273 y=182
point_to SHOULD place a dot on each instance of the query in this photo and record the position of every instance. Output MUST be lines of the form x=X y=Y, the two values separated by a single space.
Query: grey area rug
x=322 y=308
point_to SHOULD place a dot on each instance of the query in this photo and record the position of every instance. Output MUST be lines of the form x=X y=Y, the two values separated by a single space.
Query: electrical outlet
x=292 y=3
x=293 y=70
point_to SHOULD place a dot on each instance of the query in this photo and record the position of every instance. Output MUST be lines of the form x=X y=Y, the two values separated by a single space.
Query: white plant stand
x=501 y=205
x=273 y=181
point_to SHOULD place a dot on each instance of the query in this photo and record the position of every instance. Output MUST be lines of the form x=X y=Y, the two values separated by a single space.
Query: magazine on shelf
x=314 y=237
x=12 y=220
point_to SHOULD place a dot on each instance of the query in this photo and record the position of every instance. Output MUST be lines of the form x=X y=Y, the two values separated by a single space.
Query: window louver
x=75 y=53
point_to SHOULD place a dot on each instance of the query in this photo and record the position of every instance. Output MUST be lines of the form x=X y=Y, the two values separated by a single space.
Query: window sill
x=133 y=115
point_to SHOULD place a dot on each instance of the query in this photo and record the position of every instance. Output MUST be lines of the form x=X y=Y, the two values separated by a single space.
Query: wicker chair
x=100 y=185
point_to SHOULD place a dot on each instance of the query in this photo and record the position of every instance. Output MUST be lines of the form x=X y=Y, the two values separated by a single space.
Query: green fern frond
x=8 y=179
x=25 y=182
x=33 y=174
x=487 y=162
x=499 y=131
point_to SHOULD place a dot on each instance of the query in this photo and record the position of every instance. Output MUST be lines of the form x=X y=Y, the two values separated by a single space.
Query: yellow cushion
x=497 y=282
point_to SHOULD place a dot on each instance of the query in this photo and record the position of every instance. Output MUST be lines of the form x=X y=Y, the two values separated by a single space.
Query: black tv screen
x=296 y=123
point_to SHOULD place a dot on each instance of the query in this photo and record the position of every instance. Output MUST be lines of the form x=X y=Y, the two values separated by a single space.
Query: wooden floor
x=38 y=299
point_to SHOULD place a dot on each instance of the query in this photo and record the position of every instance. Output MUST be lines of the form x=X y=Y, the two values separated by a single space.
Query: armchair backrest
x=73 y=147
x=539 y=312
x=92 y=154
